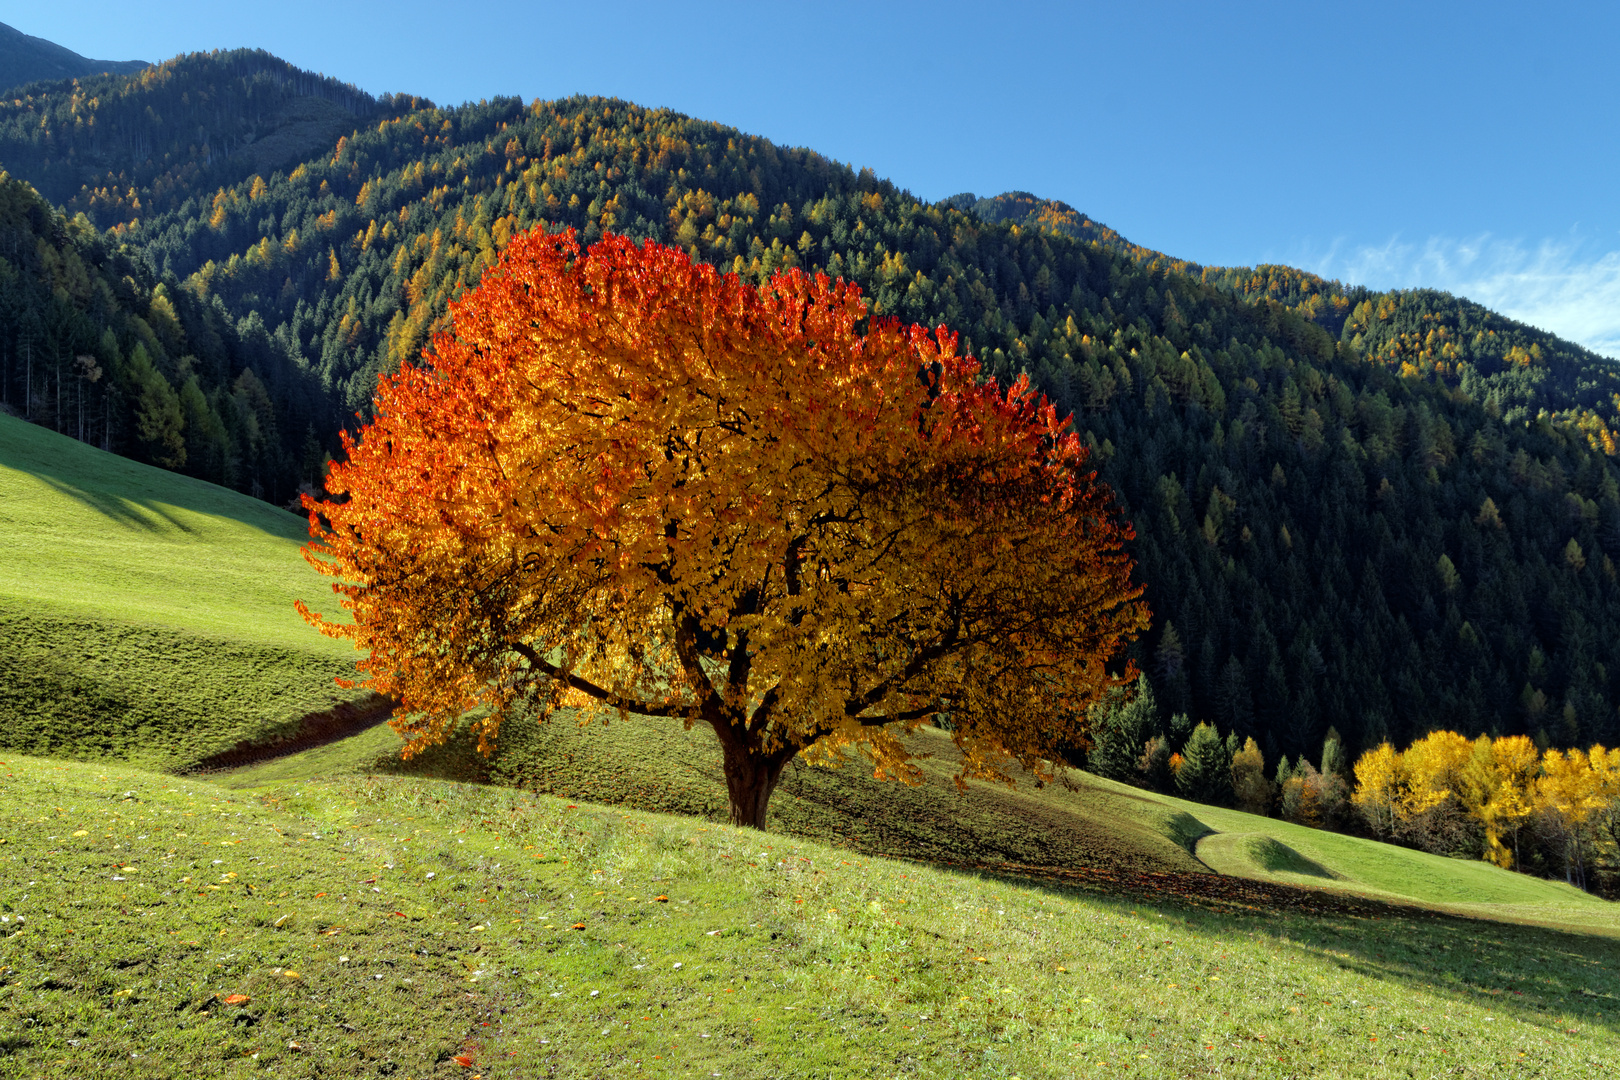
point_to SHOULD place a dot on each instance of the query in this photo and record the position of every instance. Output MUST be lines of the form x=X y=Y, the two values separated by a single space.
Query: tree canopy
x=626 y=481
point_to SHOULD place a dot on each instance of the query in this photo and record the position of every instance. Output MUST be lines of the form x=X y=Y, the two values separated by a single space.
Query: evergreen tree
x=1120 y=727
x=1206 y=768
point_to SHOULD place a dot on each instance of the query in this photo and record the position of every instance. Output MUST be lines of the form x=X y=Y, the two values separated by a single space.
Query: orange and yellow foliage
x=625 y=481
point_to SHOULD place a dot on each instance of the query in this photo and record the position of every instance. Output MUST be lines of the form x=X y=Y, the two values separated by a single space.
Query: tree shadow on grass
x=142 y=516
x=134 y=495
x=1540 y=975
x=1531 y=972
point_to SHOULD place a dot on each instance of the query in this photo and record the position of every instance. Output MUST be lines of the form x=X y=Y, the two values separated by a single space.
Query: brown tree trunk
x=751 y=777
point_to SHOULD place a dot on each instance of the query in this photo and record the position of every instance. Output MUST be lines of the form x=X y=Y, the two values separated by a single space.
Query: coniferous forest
x=1384 y=513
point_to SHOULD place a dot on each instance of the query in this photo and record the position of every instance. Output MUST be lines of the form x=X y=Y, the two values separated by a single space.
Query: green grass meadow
x=575 y=906
x=1088 y=821
x=384 y=925
x=147 y=616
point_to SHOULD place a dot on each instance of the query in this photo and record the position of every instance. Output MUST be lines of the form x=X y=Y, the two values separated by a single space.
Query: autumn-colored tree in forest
x=1448 y=795
x=627 y=482
x=1497 y=791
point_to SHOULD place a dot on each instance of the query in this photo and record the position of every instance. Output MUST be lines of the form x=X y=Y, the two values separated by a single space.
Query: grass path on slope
x=144 y=614
x=384 y=926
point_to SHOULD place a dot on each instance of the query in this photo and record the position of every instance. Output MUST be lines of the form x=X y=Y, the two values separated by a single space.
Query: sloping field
x=157 y=926
x=1089 y=831
x=145 y=615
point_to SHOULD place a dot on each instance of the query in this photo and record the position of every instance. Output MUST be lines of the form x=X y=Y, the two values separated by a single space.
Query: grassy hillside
x=1087 y=831
x=386 y=926
x=143 y=614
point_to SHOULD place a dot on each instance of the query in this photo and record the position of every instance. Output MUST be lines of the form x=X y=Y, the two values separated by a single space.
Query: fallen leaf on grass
x=463 y=1060
x=579 y=926
x=237 y=999
x=660 y=899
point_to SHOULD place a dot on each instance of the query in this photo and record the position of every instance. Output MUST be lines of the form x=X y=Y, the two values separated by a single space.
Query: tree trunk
x=751 y=778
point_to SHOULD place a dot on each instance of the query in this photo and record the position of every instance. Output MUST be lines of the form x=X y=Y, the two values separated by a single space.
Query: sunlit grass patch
x=578 y=940
x=144 y=615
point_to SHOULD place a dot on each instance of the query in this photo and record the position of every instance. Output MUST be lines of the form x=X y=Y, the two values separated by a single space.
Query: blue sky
x=1466 y=146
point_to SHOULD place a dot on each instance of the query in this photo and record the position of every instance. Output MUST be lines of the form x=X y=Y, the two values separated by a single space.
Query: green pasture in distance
x=158 y=926
x=148 y=615
x=1089 y=822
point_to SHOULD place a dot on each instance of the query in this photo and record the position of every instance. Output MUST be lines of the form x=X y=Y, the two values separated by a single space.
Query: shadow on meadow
x=1538 y=975
x=655 y=765
x=126 y=492
x=1107 y=846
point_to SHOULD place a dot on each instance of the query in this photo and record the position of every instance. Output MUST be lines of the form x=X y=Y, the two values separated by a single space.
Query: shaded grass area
x=657 y=765
x=1374 y=869
x=382 y=926
x=147 y=615
x=78 y=688
x=1112 y=831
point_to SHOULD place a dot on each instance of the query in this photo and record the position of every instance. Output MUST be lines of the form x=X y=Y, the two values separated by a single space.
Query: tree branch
x=607 y=697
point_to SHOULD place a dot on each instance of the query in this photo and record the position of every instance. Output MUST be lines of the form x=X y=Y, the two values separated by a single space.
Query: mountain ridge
x=25 y=59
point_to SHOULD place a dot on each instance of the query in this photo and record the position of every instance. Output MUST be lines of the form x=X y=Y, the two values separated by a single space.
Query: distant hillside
x=93 y=347
x=26 y=59
x=121 y=147
x=1511 y=367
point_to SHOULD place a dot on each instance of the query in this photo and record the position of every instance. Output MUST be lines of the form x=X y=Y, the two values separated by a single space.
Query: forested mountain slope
x=26 y=59
x=92 y=346
x=1346 y=516
x=121 y=147
x=1506 y=365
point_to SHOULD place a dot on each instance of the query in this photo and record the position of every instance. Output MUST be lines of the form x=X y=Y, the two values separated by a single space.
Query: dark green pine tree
x=1120 y=728
x=1206 y=768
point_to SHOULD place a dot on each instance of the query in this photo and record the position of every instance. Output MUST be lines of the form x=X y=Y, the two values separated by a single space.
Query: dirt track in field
x=317 y=729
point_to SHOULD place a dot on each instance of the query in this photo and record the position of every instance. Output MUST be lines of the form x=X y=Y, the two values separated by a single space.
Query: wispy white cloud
x=1564 y=286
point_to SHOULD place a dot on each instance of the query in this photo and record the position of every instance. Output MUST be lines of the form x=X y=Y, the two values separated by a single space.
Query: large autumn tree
x=625 y=481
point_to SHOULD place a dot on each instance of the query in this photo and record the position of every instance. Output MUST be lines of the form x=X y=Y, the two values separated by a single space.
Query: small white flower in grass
x=677 y=964
x=430 y=875
x=596 y=993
